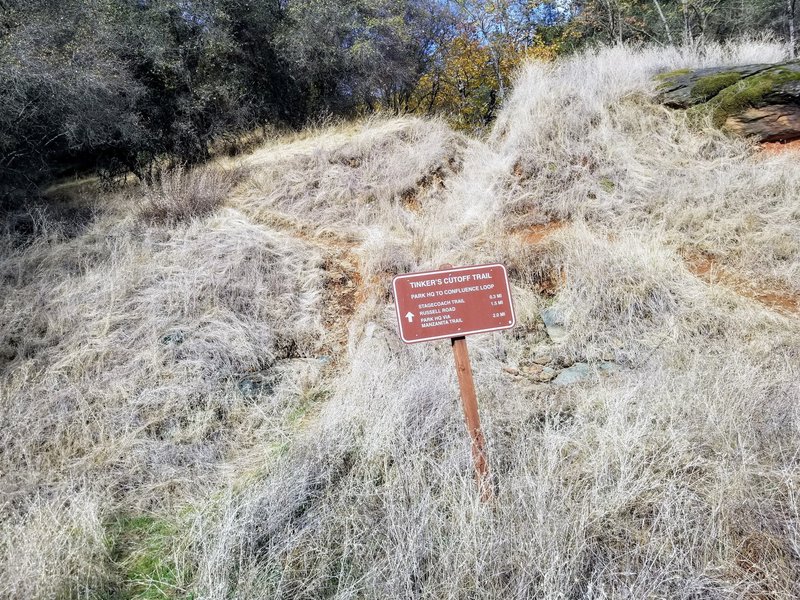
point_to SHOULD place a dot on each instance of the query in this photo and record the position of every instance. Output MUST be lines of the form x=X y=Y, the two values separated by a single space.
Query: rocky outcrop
x=762 y=101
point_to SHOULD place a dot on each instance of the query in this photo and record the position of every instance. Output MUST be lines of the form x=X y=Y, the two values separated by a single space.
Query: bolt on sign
x=454 y=303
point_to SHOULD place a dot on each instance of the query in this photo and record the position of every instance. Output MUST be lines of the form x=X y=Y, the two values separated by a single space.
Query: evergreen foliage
x=119 y=86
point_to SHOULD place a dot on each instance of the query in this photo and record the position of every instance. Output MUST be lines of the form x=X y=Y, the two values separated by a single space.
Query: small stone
x=511 y=370
x=608 y=367
x=547 y=374
x=257 y=384
x=554 y=324
x=174 y=337
x=550 y=316
x=557 y=333
x=574 y=374
x=542 y=359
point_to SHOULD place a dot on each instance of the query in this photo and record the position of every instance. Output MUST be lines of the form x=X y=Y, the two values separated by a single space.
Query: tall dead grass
x=178 y=194
x=181 y=375
x=57 y=549
x=584 y=142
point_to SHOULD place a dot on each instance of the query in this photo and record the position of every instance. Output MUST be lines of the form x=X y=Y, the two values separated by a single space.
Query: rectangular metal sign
x=453 y=302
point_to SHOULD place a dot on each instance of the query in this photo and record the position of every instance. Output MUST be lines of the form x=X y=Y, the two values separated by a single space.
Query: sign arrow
x=410 y=317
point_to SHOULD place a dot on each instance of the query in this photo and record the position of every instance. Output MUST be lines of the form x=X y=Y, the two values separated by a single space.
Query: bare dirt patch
x=709 y=270
x=546 y=283
x=537 y=234
x=342 y=292
x=431 y=183
x=780 y=147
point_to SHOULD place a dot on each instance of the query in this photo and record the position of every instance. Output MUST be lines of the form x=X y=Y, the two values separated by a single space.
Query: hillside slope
x=220 y=406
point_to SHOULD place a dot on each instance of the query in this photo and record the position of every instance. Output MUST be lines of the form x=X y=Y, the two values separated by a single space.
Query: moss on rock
x=671 y=78
x=750 y=91
x=672 y=74
x=707 y=87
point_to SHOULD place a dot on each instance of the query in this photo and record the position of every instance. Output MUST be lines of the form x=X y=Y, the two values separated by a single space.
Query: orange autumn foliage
x=464 y=86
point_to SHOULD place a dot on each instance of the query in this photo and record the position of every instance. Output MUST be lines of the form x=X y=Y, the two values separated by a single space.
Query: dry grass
x=586 y=146
x=56 y=549
x=179 y=194
x=347 y=180
x=172 y=422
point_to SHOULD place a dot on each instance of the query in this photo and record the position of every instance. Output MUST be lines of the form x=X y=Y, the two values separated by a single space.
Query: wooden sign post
x=469 y=401
x=453 y=303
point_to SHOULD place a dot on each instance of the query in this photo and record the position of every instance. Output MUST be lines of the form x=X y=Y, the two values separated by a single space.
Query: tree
x=62 y=101
x=118 y=84
x=332 y=48
x=469 y=75
x=697 y=21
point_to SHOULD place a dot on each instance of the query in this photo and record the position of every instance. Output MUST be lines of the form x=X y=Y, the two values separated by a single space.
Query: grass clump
x=57 y=549
x=180 y=194
x=144 y=550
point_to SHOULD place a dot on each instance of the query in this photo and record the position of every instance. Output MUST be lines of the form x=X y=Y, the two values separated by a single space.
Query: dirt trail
x=709 y=270
x=703 y=266
x=536 y=234
x=344 y=286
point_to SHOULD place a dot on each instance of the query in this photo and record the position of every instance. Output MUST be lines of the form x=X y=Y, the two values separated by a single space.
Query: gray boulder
x=554 y=324
x=760 y=101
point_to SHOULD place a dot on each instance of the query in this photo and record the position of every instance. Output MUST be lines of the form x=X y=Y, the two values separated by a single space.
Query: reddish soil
x=536 y=234
x=549 y=283
x=709 y=270
x=779 y=147
x=342 y=289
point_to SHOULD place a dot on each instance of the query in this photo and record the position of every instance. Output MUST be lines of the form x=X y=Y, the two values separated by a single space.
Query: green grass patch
x=143 y=551
x=607 y=185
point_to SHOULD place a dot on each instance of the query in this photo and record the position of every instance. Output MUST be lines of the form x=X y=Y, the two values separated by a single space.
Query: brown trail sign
x=453 y=303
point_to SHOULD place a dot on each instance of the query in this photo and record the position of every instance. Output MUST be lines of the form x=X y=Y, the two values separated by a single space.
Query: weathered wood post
x=469 y=401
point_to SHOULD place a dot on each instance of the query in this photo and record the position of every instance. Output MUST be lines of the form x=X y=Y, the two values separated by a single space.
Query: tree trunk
x=501 y=88
x=664 y=21
x=790 y=14
x=687 y=28
x=615 y=27
x=495 y=59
